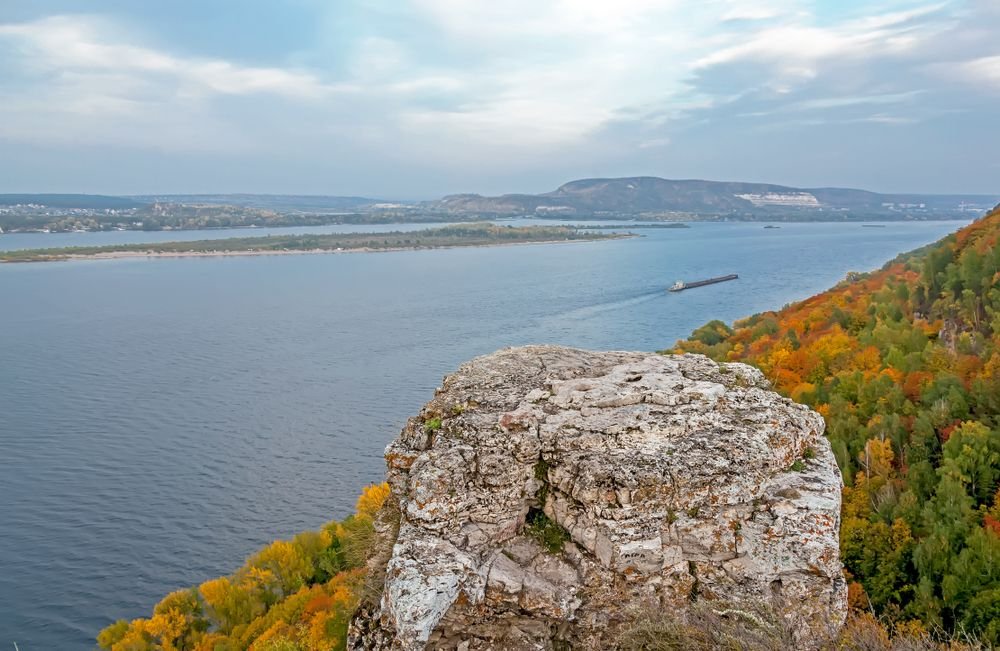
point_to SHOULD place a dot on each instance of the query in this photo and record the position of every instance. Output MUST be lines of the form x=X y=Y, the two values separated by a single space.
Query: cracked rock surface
x=666 y=478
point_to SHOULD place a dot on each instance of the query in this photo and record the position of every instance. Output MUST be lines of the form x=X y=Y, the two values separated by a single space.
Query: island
x=463 y=235
x=611 y=227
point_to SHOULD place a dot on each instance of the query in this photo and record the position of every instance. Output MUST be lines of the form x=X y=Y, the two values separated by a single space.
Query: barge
x=680 y=285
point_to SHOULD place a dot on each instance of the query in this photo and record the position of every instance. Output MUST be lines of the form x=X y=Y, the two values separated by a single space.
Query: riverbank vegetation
x=477 y=234
x=904 y=365
x=291 y=595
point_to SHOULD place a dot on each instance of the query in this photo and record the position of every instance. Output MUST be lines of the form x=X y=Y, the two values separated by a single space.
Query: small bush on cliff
x=291 y=595
x=540 y=527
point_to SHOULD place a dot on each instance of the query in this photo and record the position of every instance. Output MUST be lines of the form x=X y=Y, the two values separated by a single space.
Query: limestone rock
x=665 y=478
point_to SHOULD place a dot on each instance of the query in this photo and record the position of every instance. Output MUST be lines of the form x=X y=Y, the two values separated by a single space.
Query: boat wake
x=597 y=309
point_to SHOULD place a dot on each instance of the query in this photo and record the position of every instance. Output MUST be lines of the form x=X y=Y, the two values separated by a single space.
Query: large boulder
x=546 y=495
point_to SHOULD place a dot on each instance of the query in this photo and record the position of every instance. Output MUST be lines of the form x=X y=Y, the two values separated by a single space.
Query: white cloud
x=556 y=72
x=654 y=143
x=758 y=10
x=549 y=73
x=80 y=81
x=847 y=101
x=81 y=43
x=487 y=21
x=797 y=46
x=984 y=71
x=882 y=118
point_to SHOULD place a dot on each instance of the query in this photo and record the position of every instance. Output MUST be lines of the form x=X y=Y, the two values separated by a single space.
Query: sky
x=414 y=99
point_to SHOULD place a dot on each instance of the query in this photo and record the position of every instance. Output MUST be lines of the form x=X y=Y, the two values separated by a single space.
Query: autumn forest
x=904 y=365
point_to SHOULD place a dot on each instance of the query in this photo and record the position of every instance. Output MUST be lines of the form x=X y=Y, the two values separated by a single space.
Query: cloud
x=835 y=69
x=798 y=46
x=549 y=74
x=81 y=43
x=79 y=81
x=983 y=71
x=524 y=89
x=520 y=19
x=760 y=10
x=655 y=142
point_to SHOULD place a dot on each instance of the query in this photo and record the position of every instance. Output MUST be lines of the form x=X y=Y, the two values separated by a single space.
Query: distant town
x=636 y=199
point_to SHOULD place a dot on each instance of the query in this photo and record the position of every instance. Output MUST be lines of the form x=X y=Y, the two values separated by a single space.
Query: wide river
x=160 y=419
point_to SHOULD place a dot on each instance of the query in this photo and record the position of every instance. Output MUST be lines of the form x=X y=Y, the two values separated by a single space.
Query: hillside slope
x=651 y=195
x=904 y=364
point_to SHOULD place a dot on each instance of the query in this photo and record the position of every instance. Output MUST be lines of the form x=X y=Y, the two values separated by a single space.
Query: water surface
x=19 y=241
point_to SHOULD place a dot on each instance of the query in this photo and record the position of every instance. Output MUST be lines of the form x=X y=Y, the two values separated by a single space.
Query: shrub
x=543 y=529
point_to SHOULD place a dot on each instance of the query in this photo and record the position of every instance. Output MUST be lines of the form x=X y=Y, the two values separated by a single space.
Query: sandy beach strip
x=151 y=254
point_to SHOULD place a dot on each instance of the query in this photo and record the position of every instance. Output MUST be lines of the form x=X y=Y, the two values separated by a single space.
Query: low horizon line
x=387 y=198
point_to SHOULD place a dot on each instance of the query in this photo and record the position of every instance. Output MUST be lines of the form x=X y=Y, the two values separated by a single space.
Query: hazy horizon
x=422 y=98
x=385 y=197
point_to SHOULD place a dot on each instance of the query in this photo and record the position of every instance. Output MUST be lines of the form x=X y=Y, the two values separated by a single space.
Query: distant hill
x=86 y=201
x=277 y=202
x=651 y=195
x=645 y=197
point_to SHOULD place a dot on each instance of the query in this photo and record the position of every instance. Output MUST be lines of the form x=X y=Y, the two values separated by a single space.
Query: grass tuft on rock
x=543 y=529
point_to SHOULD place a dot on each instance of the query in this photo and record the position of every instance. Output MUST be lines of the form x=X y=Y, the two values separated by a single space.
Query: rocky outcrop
x=548 y=494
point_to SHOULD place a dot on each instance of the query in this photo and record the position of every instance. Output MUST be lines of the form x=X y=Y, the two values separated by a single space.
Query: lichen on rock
x=663 y=479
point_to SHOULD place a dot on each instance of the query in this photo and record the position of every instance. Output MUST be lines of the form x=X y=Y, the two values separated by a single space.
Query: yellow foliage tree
x=276 y=602
x=372 y=498
x=286 y=563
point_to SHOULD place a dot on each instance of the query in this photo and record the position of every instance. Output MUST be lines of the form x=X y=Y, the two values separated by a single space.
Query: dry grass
x=379 y=551
x=717 y=626
x=866 y=633
x=708 y=626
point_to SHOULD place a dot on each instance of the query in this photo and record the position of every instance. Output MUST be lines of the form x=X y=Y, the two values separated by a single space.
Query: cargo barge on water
x=680 y=285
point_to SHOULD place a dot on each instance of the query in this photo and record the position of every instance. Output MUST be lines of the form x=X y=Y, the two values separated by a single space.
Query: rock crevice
x=650 y=481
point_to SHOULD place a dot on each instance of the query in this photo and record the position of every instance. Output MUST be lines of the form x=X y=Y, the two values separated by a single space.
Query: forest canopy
x=904 y=365
x=292 y=595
